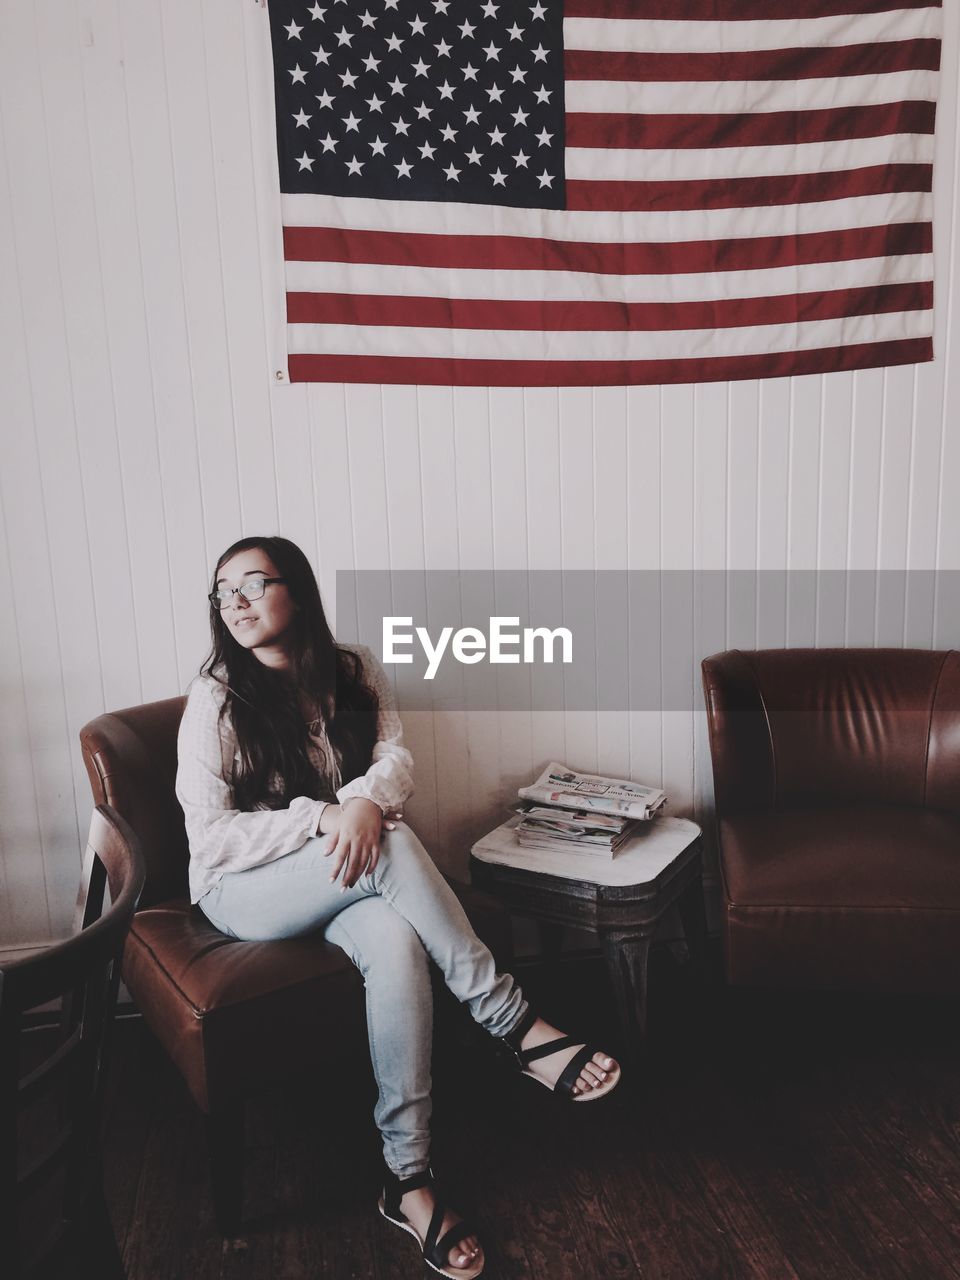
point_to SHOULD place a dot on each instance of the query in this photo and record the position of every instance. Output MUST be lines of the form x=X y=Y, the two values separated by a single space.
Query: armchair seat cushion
x=863 y=897
x=234 y=1016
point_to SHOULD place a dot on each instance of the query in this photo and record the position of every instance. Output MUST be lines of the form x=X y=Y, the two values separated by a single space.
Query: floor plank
x=764 y=1136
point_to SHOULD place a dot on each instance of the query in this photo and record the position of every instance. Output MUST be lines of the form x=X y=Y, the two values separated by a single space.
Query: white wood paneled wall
x=141 y=434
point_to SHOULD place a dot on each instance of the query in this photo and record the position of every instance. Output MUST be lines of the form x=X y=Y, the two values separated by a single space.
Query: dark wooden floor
x=796 y=1137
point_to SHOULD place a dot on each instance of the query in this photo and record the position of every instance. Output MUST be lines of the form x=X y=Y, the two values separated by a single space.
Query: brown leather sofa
x=837 y=780
x=237 y=1018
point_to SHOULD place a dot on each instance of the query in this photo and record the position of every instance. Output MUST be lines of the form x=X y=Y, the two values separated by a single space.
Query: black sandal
x=434 y=1251
x=568 y=1077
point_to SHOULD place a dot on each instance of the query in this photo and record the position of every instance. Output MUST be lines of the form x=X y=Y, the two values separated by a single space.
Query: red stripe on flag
x=567 y=316
x=761 y=64
x=426 y=371
x=733 y=10
x=527 y=253
x=737 y=193
x=759 y=129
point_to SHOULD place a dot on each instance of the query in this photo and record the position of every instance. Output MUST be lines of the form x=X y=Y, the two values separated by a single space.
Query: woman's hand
x=357 y=827
x=329 y=823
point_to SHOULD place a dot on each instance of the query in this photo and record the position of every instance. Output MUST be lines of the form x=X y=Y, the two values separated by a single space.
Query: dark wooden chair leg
x=627 y=960
x=693 y=916
x=224 y=1129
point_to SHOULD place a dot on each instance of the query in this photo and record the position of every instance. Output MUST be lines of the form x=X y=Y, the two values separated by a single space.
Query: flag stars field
x=364 y=58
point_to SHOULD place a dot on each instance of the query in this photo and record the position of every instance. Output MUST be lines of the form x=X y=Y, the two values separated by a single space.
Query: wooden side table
x=620 y=899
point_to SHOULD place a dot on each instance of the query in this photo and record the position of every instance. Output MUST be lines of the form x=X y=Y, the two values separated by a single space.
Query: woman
x=292 y=776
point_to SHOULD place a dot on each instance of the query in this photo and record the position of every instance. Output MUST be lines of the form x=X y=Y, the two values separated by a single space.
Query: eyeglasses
x=252 y=589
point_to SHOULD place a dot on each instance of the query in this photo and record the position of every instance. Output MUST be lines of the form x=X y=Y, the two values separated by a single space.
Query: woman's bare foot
x=417 y=1207
x=592 y=1075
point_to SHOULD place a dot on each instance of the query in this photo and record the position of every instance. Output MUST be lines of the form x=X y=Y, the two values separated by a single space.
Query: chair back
x=131 y=760
x=808 y=727
x=57 y=1103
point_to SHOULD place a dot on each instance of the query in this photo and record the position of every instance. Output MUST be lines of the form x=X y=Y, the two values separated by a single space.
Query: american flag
x=604 y=191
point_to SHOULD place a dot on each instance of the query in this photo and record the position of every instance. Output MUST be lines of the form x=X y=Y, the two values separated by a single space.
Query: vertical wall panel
x=508 y=486
x=711 y=451
x=185 y=500
x=100 y=537
x=149 y=423
x=773 y=462
x=237 y=236
x=24 y=911
x=894 y=484
x=471 y=417
x=295 y=465
x=441 y=537
x=833 y=505
x=187 y=104
x=42 y=493
x=644 y=469
x=138 y=503
x=548 y=739
x=677 y=433
x=577 y=545
x=402 y=478
x=332 y=497
x=801 y=561
x=864 y=507
x=611 y=499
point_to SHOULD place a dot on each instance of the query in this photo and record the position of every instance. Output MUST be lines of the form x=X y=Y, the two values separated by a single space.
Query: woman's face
x=260 y=625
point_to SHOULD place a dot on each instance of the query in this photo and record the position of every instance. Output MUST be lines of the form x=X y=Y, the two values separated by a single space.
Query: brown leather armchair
x=237 y=1018
x=837 y=779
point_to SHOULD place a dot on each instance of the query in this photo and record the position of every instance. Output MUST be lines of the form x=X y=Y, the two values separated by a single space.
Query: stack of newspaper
x=564 y=809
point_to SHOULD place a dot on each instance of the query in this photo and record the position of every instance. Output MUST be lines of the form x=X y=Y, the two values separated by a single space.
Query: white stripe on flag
x=522 y=344
x=584 y=286
x=446 y=218
x=706 y=97
x=613 y=164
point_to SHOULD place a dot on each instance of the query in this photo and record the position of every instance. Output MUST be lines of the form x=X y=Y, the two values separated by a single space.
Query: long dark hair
x=265 y=705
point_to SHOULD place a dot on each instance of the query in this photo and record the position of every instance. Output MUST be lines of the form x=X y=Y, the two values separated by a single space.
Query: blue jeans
x=388 y=923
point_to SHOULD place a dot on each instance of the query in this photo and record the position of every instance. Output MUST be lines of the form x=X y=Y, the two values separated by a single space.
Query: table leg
x=627 y=959
x=693 y=916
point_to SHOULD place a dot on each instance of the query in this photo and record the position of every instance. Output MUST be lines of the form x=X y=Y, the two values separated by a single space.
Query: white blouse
x=223 y=838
